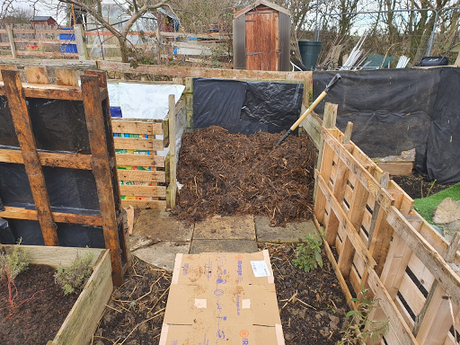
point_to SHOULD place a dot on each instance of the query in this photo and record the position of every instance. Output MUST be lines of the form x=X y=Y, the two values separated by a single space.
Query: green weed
x=73 y=278
x=308 y=253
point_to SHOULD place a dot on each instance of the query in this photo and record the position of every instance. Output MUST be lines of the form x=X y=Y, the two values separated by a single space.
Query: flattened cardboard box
x=222 y=298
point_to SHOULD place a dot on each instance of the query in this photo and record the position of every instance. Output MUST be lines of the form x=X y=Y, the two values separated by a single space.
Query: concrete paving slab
x=289 y=234
x=162 y=254
x=219 y=246
x=225 y=228
x=161 y=226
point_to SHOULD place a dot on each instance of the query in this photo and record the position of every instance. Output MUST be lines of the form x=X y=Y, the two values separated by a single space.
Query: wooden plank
x=2 y=66
x=312 y=125
x=138 y=144
x=352 y=234
x=101 y=170
x=355 y=216
x=141 y=176
x=9 y=30
x=81 y=42
x=136 y=127
x=25 y=135
x=59 y=217
x=203 y=72
x=61 y=160
x=36 y=75
x=382 y=196
x=397 y=168
x=66 y=77
x=155 y=191
x=55 y=256
x=140 y=160
x=171 y=201
x=449 y=280
x=437 y=319
x=82 y=320
x=400 y=328
x=347 y=133
x=153 y=204
x=46 y=54
x=410 y=292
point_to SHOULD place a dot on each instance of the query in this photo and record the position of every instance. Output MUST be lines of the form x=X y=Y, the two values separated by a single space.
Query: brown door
x=262 y=40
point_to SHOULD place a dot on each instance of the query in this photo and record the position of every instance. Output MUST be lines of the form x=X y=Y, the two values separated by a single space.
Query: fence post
x=171 y=201
x=11 y=39
x=81 y=42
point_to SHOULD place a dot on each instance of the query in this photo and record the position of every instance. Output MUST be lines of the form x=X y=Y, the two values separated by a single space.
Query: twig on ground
x=139 y=324
x=293 y=297
x=306 y=304
x=158 y=300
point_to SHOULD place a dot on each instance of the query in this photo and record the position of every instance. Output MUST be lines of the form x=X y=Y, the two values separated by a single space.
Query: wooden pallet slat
x=138 y=144
x=51 y=159
x=141 y=176
x=143 y=191
x=136 y=127
x=140 y=160
x=25 y=135
x=101 y=169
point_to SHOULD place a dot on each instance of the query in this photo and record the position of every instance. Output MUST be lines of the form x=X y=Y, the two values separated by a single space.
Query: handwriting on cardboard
x=260 y=269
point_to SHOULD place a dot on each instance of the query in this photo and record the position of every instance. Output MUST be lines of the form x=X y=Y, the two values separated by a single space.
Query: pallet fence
x=144 y=170
x=101 y=161
x=375 y=239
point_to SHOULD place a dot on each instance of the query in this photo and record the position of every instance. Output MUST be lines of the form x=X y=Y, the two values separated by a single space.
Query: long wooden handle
x=309 y=110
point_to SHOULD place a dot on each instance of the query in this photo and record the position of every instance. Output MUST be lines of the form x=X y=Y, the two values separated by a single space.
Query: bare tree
x=134 y=8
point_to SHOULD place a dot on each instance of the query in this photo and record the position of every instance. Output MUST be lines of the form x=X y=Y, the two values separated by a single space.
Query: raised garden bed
x=81 y=321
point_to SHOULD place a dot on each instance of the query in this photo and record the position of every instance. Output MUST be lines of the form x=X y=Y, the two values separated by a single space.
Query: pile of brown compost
x=228 y=174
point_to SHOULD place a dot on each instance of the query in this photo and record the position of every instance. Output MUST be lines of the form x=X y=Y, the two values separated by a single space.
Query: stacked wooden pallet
x=376 y=240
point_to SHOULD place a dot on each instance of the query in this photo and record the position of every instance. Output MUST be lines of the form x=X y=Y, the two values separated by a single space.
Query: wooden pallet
x=101 y=162
x=382 y=243
x=140 y=167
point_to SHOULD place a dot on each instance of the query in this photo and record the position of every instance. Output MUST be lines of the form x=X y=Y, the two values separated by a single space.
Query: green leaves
x=308 y=254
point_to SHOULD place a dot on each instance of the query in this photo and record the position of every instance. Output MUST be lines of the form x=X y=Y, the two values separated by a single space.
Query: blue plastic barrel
x=309 y=51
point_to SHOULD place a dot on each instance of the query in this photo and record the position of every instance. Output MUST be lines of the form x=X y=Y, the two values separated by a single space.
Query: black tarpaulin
x=395 y=110
x=246 y=107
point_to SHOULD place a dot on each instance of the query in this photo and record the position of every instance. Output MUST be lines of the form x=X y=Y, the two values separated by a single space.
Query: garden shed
x=261 y=36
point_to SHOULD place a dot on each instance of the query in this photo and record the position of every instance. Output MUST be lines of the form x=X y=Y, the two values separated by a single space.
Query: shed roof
x=41 y=18
x=265 y=3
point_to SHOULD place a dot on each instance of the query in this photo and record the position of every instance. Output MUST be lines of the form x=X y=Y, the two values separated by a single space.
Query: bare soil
x=417 y=186
x=229 y=174
x=42 y=312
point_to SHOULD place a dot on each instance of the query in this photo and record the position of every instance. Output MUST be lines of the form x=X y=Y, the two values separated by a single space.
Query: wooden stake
x=23 y=127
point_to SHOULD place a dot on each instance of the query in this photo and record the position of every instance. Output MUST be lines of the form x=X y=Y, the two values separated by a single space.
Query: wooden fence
x=376 y=239
x=39 y=41
x=93 y=96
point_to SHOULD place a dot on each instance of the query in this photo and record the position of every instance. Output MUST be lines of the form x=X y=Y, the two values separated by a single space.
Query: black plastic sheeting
x=69 y=235
x=395 y=110
x=69 y=190
x=246 y=107
x=57 y=125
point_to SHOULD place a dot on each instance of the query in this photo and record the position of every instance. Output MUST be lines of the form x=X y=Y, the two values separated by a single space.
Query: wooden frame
x=383 y=244
x=101 y=161
x=83 y=318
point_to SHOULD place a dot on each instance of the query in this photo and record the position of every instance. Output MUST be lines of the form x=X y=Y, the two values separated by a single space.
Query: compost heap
x=229 y=174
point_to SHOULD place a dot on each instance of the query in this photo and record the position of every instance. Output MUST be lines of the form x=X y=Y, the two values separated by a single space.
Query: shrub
x=73 y=278
x=16 y=262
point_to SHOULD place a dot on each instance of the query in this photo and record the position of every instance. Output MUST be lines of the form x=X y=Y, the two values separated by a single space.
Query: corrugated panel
x=284 y=42
x=239 y=43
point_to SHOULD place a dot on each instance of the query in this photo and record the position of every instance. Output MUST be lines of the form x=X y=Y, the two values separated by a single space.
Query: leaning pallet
x=376 y=240
x=28 y=148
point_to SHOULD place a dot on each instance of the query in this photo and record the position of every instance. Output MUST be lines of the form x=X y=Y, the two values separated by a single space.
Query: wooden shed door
x=262 y=40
